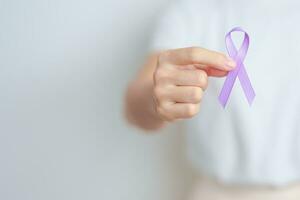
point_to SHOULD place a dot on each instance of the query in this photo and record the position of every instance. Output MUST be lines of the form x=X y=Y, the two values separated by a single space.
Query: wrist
x=142 y=106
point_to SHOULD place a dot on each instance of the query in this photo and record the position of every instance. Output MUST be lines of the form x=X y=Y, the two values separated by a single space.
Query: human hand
x=180 y=78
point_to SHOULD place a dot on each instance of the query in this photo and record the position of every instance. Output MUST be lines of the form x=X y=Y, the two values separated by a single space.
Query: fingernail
x=230 y=63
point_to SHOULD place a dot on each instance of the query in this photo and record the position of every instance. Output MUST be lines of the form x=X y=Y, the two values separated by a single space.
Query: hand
x=181 y=77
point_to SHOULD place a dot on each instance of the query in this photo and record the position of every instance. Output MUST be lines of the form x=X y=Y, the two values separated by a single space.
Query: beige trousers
x=208 y=189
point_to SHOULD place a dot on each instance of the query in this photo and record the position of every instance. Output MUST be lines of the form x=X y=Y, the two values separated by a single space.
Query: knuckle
x=164 y=74
x=163 y=56
x=160 y=74
x=158 y=93
x=196 y=95
x=161 y=112
x=202 y=79
x=190 y=110
x=164 y=114
x=193 y=53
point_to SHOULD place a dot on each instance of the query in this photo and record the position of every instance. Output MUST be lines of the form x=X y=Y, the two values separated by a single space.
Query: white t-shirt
x=242 y=144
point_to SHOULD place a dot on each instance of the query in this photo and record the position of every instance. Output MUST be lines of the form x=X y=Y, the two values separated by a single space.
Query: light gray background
x=64 y=65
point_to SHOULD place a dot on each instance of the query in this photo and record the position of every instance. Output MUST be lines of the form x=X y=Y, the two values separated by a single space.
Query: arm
x=170 y=86
x=139 y=102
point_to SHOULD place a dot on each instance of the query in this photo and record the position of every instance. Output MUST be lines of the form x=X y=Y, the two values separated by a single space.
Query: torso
x=258 y=144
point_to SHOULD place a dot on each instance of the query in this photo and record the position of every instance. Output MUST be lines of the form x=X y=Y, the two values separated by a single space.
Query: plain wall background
x=64 y=65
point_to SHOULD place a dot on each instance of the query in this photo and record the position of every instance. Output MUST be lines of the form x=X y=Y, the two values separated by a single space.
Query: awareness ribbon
x=238 y=56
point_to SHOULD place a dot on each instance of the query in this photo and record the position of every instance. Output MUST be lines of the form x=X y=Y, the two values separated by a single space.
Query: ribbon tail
x=246 y=85
x=227 y=87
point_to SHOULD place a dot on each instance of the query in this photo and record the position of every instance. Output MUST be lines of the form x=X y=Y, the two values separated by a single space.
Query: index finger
x=196 y=55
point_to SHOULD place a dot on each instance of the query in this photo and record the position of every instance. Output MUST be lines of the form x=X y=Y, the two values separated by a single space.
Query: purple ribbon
x=238 y=56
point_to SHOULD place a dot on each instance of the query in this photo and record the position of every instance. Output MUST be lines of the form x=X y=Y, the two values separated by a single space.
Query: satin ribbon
x=238 y=56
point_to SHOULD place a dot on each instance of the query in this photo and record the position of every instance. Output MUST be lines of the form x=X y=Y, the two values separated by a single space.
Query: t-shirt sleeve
x=187 y=23
x=171 y=29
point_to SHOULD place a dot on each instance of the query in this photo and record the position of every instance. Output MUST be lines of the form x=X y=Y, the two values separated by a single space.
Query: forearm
x=139 y=103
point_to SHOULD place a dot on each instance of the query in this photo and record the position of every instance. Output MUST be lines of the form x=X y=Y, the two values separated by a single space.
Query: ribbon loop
x=238 y=56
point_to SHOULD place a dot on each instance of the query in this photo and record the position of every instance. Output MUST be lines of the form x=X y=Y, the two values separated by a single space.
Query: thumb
x=216 y=72
x=211 y=71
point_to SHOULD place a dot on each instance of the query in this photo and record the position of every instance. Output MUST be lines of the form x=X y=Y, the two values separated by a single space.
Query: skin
x=171 y=84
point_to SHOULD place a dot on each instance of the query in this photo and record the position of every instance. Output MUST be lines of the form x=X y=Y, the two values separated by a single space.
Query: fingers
x=191 y=78
x=195 y=55
x=209 y=71
x=180 y=77
x=178 y=102
x=182 y=94
x=176 y=111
